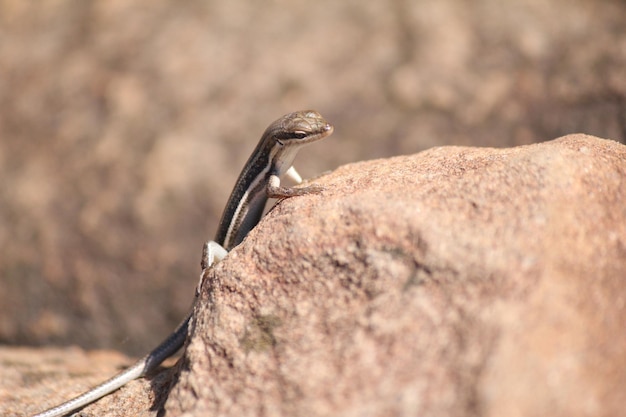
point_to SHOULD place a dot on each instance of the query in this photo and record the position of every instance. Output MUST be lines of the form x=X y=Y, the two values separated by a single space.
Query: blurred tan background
x=124 y=124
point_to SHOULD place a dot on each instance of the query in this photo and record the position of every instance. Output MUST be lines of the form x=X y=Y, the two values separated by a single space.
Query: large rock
x=459 y=281
x=455 y=282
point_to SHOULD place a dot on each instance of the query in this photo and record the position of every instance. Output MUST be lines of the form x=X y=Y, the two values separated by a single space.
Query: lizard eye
x=299 y=134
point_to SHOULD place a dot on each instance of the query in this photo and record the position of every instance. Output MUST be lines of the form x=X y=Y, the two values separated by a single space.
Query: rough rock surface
x=454 y=282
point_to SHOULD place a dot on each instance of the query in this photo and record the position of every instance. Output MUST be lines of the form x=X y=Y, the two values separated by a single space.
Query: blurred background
x=124 y=124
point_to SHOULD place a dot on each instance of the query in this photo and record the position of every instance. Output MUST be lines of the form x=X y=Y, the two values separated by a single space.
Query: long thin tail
x=146 y=364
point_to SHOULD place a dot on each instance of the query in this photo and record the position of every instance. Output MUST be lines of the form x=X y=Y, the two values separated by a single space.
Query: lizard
x=259 y=180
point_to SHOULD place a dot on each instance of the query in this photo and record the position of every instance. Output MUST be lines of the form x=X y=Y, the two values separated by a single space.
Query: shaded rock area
x=455 y=282
x=124 y=124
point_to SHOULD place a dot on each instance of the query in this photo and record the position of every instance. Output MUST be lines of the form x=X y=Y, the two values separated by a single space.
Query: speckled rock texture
x=458 y=281
x=455 y=282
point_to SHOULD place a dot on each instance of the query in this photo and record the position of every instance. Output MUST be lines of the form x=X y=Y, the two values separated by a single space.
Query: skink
x=258 y=181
